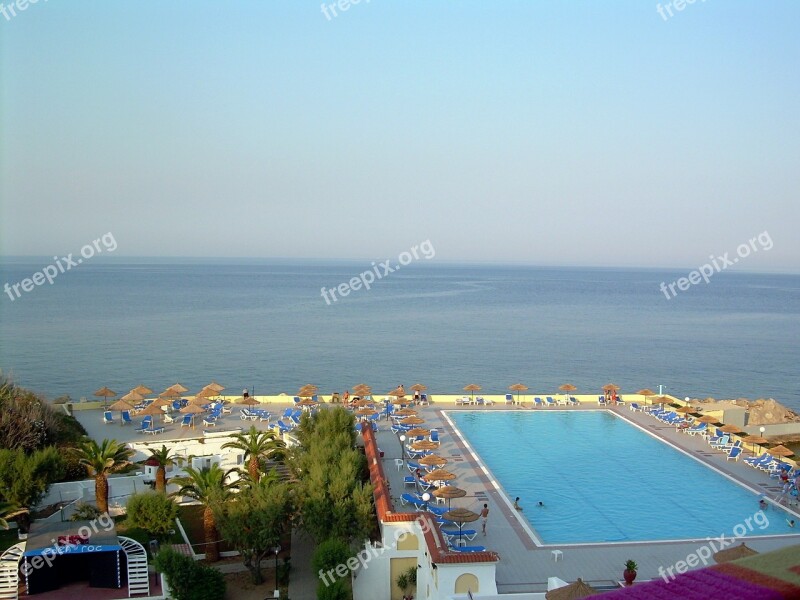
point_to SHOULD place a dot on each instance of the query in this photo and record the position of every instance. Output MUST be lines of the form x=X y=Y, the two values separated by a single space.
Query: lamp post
x=426 y=497
x=403 y=449
x=276 y=550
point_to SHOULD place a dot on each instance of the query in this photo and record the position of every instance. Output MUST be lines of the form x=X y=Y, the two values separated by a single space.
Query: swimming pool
x=602 y=479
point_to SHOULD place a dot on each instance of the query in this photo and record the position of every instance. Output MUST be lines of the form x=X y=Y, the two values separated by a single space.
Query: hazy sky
x=580 y=133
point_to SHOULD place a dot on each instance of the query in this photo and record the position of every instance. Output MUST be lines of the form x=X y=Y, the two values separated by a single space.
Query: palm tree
x=257 y=445
x=100 y=461
x=209 y=487
x=164 y=459
x=8 y=510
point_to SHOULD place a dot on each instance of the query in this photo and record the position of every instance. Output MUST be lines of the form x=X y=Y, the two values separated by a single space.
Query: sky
x=551 y=133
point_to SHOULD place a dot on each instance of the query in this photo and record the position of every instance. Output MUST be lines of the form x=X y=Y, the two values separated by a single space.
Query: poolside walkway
x=524 y=566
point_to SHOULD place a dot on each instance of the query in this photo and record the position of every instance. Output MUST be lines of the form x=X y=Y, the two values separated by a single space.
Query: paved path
x=302 y=580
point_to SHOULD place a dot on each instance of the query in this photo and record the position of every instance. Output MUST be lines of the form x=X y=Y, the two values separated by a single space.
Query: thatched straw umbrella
x=132 y=396
x=142 y=389
x=424 y=445
x=573 y=591
x=449 y=492
x=215 y=386
x=121 y=406
x=105 y=393
x=754 y=439
x=735 y=553
x=472 y=388
x=459 y=516
x=432 y=460
x=412 y=421
x=518 y=387
x=178 y=388
x=417 y=432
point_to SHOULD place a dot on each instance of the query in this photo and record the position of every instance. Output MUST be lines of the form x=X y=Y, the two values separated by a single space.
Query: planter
x=629 y=576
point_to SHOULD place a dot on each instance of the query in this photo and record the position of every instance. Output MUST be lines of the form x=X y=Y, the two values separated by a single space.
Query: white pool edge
x=542 y=544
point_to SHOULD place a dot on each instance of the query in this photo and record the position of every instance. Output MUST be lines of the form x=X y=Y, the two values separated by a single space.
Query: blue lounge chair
x=412 y=499
x=187 y=420
x=126 y=417
x=154 y=430
x=468 y=548
x=282 y=427
x=479 y=401
x=210 y=421
x=549 y=400
x=108 y=417
x=573 y=401
x=537 y=402
x=412 y=466
x=437 y=510
x=434 y=435
x=468 y=534
x=634 y=406
x=410 y=480
x=147 y=423
x=697 y=429
x=601 y=400
x=423 y=399
x=735 y=453
x=721 y=443
x=509 y=399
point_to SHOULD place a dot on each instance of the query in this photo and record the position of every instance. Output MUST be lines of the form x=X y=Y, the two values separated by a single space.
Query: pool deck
x=523 y=566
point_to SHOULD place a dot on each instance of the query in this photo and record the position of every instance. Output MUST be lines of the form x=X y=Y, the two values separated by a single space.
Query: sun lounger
x=573 y=401
x=108 y=417
x=549 y=401
x=154 y=430
x=147 y=422
x=720 y=443
x=210 y=421
x=126 y=417
x=537 y=402
x=187 y=421
x=509 y=399
x=434 y=437
x=462 y=401
x=411 y=499
x=634 y=406
x=601 y=400
x=467 y=534
x=468 y=548
x=697 y=429
x=735 y=453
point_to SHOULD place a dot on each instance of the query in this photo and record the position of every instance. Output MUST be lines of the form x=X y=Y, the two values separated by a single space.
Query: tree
x=254 y=523
x=331 y=498
x=153 y=512
x=29 y=423
x=209 y=487
x=8 y=510
x=257 y=445
x=165 y=459
x=187 y=579
x=25 y=478
x=100 y=461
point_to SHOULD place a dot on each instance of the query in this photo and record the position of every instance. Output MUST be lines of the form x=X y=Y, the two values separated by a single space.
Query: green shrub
x=329 y=554
x=338 y=590
x=188 y=579
x=153 y=512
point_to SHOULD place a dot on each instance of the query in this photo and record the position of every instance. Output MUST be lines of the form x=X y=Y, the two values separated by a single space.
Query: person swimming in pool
x=541 y=504
x=516 y=503
x=762 y=504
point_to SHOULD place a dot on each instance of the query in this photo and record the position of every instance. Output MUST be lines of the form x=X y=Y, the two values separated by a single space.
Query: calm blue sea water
x=610 y=482
x=264 y=324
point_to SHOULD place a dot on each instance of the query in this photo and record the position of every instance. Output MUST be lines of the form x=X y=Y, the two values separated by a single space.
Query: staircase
x=9 y=572
x=138 y=575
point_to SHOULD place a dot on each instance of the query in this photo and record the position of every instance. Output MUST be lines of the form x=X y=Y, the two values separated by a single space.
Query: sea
x=265 y=325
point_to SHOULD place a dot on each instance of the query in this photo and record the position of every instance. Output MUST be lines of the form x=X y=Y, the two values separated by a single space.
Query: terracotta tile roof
x=437 y=548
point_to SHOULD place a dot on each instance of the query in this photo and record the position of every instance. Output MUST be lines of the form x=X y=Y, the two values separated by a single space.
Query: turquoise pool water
x=604 y=480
